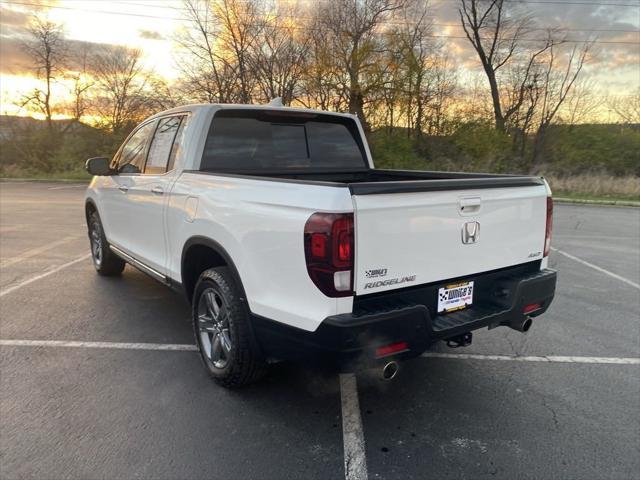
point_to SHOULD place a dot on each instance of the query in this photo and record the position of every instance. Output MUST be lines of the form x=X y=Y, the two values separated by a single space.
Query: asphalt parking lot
x=129 y=398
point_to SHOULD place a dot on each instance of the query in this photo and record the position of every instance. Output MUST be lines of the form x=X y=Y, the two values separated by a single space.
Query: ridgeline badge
x=391 y=281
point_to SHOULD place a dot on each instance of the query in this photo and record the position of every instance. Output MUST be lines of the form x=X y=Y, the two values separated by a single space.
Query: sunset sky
x=152 y=24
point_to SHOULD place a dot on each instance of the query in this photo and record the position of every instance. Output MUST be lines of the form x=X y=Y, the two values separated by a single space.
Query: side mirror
x=99 y=166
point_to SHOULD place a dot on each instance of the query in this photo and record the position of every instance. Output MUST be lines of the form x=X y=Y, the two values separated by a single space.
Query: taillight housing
x=328 y=249
x=547 y=233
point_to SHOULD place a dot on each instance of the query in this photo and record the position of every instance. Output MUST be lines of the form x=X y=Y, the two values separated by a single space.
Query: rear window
x=254 y=140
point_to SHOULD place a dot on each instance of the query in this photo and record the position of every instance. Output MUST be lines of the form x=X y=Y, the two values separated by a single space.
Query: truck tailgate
x=407 y=239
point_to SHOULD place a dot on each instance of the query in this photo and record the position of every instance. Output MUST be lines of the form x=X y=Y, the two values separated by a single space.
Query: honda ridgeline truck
x=289 y=244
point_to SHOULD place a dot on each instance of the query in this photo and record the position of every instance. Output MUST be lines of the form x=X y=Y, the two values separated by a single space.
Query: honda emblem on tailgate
x=470 y=232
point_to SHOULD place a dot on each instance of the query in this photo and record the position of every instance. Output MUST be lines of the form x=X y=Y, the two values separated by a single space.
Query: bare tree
x=121 y=83
x=323 y=82
x=557 y=81
x=81 y=82
x=626 y=107
x=205 y=77
x=442 y=85
x=351 y=29
x=47 y=50
x=582 y=103
x=278 y=57
x=241 y=22
x=216 y=46
x=497 y=37
x=416 y=48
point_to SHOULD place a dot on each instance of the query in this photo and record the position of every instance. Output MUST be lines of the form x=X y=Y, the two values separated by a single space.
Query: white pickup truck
x=290 y=245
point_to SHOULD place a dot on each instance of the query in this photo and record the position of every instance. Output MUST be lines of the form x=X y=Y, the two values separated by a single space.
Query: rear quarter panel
x=260 y=224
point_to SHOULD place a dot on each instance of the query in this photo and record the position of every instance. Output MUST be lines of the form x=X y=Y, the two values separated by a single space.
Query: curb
x=618 y=203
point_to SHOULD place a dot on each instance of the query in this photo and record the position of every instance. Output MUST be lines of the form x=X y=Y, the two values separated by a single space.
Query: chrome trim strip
x=139 y=265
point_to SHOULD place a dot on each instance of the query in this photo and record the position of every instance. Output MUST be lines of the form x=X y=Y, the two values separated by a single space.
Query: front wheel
x=223 y=332
x=105 y=261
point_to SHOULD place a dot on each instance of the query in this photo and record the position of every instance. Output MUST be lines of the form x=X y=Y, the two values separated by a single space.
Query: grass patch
x=595 y=187
x=17 y=173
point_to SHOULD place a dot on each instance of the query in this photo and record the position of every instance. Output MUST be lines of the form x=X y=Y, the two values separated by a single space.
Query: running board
x=140 y=266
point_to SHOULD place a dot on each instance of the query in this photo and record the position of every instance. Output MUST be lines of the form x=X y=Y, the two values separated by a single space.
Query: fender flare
x=220 y=250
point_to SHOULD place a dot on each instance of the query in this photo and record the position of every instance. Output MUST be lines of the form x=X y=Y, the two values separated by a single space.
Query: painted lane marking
x=542 y=359
x=36 y=251
x=67 y=186
x=347 y=381
x=184 y=347
x=355 y=461
x=11 y=228
x=43 y=275
x=599 y=269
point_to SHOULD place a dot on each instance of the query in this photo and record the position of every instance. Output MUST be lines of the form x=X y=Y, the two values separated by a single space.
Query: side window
x=133 y=153
x=162 y=145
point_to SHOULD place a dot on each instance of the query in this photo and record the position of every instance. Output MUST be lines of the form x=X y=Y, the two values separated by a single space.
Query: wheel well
x=196 y=260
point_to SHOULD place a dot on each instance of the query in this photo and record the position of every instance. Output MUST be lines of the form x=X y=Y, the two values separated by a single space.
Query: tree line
x=378 y=59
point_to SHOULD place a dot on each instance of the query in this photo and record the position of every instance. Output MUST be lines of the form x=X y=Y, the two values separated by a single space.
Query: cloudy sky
x=151 y=24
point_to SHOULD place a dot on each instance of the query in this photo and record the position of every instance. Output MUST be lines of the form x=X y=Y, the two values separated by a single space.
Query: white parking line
x=113 y=345
x=36 y=251
x=599 y=269
x=43 y=275
x=543 y=359
x=348 y=385
x=11 y=228
x=68 y=186
x=355 y=461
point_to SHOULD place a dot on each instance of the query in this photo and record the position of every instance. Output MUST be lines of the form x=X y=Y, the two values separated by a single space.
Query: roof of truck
x=220 y=106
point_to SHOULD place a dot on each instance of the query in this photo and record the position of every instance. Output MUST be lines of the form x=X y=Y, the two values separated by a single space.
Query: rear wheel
x=105 y=261
x=223 y=332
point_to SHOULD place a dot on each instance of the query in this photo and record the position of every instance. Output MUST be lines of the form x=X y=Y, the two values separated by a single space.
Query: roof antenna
x=276 y=102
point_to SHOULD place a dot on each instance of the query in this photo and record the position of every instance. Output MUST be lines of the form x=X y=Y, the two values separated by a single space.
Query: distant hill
x=12 y=126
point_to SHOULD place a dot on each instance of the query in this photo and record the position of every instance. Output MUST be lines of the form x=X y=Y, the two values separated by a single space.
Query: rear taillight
x=547 y=234
x=328 y=249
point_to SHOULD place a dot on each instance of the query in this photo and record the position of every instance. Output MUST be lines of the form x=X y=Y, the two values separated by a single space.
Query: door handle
x=123 y=188
x=469 y=205
x=157 y=190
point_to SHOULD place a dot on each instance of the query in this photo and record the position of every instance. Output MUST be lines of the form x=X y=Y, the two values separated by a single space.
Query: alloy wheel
x=213 y=327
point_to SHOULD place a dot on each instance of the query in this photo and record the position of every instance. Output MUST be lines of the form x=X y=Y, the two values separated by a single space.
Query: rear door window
x=162 y=145
x=134 y=152
x=255 y=140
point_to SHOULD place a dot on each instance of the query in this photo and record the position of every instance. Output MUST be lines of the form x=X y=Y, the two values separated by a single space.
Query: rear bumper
x=349 y=341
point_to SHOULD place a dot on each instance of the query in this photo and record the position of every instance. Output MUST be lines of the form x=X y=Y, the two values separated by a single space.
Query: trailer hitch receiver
x=463 y=340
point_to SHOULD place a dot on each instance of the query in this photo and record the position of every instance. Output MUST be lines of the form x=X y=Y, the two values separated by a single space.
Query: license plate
x=455 y=297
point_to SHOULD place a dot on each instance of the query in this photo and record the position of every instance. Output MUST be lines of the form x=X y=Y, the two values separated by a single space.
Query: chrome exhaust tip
x=390 y=370
x=522 y=325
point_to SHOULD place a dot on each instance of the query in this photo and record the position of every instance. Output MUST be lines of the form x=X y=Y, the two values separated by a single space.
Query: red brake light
x=342 y=232
x=328 y=246
x=547 y=234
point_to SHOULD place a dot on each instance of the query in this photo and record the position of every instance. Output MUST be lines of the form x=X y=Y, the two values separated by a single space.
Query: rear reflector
x=390 y=349
x=531 y=308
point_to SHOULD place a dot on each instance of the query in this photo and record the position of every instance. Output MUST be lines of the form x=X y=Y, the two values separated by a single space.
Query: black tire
x=225 y=339
x=105 y=261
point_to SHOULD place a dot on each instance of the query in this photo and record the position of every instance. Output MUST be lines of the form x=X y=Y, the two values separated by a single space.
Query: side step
x=140 y=266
